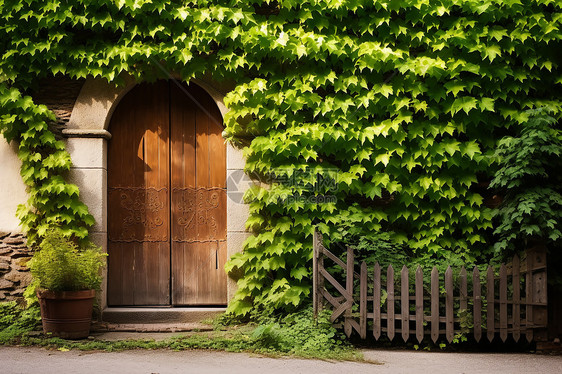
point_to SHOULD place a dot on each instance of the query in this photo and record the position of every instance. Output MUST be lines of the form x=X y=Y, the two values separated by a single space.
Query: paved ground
x=38 y=360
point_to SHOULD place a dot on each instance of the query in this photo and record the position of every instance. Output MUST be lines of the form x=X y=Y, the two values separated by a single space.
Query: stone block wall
x=14 y=275
x=58 y=94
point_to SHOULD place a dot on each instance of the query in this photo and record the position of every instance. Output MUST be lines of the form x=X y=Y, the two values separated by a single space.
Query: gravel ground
x=39 y=360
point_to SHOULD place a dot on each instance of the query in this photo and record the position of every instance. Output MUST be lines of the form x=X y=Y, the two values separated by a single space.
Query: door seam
x=170 y=281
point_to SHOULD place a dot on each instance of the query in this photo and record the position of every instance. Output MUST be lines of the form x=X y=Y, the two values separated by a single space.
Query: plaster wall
x=12 y=189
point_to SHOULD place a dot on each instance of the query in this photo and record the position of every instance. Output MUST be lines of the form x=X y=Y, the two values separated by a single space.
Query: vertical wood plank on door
x=202 y=159
x=180 y=256
x=140 y=274
x=217 y=147
x=182 y=173
x=155 y=253
x=184 y=194
x=128 y=281
x=159 y=271
x=115 y=261
x=217 y=170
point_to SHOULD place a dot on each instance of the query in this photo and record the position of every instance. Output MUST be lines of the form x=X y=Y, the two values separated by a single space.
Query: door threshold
x=153 y=315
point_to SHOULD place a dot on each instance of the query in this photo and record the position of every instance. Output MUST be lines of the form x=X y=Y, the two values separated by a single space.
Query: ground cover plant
x=17 y=321
x=360 y=116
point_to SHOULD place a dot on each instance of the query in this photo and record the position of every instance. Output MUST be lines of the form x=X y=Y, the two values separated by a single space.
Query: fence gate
x=511 y=301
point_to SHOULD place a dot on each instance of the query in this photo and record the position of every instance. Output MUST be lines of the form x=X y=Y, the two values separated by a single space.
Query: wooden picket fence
x=514 y=303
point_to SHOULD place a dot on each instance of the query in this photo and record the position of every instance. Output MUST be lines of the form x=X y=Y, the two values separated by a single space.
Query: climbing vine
x=52 y=200
x=529 y=176
x=359 y=116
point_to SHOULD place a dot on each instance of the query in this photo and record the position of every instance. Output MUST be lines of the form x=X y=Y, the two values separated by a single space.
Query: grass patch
x=241 y=339
x=297 y=335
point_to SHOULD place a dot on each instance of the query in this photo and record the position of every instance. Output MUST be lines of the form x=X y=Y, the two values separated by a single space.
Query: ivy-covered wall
x=360 y=116
x=59 y=95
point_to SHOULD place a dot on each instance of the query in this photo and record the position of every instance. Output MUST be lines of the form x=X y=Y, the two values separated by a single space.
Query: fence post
x=503 y=302
x=434 y=304
x=315 y=274
x=419 y=304
x=390 y=302
x=463 y=299
x=516 y=281
x=377 y=302
x=363 y=300
x=490 y=316
x=349 y=289
x=405 y=302
x=477 y=304
x=449 y=319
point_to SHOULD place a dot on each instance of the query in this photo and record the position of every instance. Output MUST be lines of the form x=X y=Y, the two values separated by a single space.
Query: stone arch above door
x=98 y=99
x=87 y=144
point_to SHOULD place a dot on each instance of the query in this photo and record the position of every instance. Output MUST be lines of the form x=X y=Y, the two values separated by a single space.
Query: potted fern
x=66 y=277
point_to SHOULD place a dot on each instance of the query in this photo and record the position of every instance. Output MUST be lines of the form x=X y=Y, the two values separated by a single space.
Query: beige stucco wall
x=12 y=189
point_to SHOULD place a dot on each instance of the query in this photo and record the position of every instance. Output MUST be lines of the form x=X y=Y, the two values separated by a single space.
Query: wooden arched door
x=166 y=198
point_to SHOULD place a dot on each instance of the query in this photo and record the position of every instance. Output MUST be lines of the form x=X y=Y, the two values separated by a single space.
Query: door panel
x=138 y=198
x=198 y=211
x=167 y=198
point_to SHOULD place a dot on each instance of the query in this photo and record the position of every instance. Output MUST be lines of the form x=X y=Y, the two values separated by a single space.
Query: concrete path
x=38 y=360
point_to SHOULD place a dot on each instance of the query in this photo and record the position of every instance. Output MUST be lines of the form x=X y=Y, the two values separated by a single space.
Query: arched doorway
x=166 y=198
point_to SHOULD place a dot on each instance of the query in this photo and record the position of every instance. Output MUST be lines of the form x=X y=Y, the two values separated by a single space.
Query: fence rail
x=512 y=302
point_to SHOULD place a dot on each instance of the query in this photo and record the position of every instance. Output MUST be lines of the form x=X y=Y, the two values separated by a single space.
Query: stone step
x=104 y=327
x=159 y=315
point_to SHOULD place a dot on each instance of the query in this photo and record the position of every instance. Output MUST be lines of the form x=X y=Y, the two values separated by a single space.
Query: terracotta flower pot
x=67 y=314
